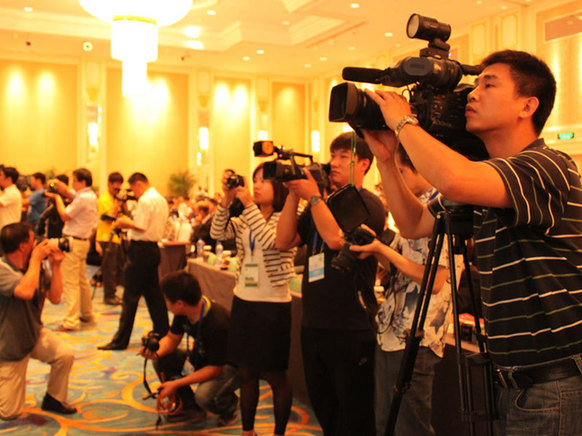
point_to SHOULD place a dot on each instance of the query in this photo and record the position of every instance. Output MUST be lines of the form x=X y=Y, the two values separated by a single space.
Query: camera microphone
x=368 y=75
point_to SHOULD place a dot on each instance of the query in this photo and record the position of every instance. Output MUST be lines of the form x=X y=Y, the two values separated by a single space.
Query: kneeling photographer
x=337 y=336
x=205 y=324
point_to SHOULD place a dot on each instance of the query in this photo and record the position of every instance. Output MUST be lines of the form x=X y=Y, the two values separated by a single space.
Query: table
x=218 y=285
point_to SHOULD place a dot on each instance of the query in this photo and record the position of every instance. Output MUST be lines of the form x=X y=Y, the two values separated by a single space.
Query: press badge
x=251 y=274
x=316 y=267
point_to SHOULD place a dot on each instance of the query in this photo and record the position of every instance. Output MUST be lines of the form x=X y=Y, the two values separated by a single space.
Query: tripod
x=106 y=254
x=454 y=223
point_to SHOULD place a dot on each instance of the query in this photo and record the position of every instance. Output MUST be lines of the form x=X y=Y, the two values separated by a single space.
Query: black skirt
x=260 y=335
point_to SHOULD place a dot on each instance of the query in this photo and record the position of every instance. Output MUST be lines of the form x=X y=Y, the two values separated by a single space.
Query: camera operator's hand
x=56 y=257
x=50 y=195
x=167 y=395
x=229 y=193
x=382 y=143
x=368 y=249
x=123 y=222
x=148 y=354
x=243 y=193
x=41 y=251
x=393 y=106
x=304 y=188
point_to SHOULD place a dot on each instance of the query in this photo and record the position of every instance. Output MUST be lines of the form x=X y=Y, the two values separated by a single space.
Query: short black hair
x=532 y=77
x=12 y=235
x=40 y=176
x=83 y=175
x=137 y=177
x=63 y=178
x=115 y=177
x=10 y=172
x=180 y=285
x=344 y=142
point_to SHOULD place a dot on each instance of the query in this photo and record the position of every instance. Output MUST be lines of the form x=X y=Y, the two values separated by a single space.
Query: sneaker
x=228 y=419
x=51 y=404
x=187 y=415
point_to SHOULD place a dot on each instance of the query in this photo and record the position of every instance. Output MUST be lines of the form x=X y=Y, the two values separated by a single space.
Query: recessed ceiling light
x=354 y=5
x=479 y=2
x=388 y=34
x=352 y=48
x=323 y=59
x=87 y=46
x=246 y=58
x=504 y=7
x=195 y=45
x=307 y=65
x=28 y=9
x=285 y=23
x=397 y=44
x=211 y=12
x=192 y=31
x=260 y=51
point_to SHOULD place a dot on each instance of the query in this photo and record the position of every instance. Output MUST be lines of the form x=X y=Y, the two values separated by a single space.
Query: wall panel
x=38 y=103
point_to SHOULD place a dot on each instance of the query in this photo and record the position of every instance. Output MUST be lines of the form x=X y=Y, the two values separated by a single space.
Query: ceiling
x=298 y=38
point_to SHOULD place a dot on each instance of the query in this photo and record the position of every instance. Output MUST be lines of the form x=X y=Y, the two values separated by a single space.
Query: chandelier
x=134 y=33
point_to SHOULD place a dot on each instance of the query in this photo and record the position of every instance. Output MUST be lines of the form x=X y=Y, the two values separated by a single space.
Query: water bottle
x=219 y=249
x=200 y=249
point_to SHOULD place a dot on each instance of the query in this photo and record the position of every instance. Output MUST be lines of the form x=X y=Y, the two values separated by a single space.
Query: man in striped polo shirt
x=528 y=233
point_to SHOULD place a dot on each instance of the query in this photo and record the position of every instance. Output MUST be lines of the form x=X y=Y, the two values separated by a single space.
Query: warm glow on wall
x=46 y=88
x=203 y=138
x=315 y=141
x=93 y=134
x=263 y=135
x=16 y=88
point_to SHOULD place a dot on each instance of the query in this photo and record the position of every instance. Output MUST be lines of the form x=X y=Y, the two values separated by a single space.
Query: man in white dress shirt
x=142 y=261
x=10 y=198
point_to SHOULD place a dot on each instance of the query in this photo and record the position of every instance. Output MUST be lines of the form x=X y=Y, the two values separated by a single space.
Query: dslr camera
x=436 y=98
x=234 y=181
x=285 y=168
x=350 y=212
x=151 y=341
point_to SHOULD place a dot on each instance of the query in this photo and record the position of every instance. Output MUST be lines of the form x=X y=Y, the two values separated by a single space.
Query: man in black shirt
x=337 y=334
x=206 y=325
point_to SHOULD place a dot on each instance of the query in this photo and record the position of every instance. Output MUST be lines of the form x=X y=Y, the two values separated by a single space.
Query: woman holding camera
x=260 y=332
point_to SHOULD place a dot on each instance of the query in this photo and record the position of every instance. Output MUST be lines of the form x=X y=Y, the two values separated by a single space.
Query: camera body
x=52 y=188
x=151 y=341
x=285 y=168
x=234 y=181
x=63 y=243
x=436 y=98
x=345 y=260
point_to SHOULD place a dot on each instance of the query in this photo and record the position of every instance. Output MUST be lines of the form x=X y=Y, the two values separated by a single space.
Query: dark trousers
x=141 y=278
x=339 y=374
x=111 y=267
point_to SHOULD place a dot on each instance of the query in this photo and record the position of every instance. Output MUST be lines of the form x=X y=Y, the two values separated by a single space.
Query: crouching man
x=24 y=285
x=205 y=324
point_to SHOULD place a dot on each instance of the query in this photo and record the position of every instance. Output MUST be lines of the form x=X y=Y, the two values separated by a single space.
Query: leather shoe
x=51 y=404
x=64 y=329
x=113 y=301
x=111 y=346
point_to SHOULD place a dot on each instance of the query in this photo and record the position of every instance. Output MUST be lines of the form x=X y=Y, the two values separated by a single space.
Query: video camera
x=437 y=99
x=281 y=171
x=125 y=195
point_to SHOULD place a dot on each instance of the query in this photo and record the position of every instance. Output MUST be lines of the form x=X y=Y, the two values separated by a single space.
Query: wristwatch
x=314 y=200
x=407 y=119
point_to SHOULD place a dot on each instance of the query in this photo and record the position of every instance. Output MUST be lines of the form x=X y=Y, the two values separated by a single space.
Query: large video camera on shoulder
x=437 y=99
x=285 y=167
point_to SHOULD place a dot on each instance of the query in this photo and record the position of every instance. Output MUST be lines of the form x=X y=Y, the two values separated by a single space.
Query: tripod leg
x=416 y=331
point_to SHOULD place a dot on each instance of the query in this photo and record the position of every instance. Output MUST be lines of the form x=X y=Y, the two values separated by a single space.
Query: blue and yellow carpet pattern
x=107 y=389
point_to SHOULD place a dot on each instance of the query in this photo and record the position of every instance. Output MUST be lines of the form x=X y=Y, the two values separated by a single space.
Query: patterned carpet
x=107 y=389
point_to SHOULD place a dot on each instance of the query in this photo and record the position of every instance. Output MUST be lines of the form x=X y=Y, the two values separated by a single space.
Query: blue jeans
x=552 y=409
x=414 y=415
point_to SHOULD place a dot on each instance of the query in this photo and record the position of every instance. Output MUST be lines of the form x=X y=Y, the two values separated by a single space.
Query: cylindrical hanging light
x=134 y=33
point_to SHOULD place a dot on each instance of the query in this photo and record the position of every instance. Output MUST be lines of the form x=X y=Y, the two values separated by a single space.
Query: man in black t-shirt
x=337 y=336
x=206 y=325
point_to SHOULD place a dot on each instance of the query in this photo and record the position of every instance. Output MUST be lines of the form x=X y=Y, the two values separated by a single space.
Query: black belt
x=524 y=378
x=133 y=241
x=77 y=238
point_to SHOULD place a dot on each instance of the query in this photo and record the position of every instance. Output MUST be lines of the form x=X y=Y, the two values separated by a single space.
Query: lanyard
x=198 y=333
x=252 y=241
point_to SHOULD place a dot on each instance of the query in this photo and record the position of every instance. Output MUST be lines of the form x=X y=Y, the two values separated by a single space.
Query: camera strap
x=352 y=163
x=196 y=347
